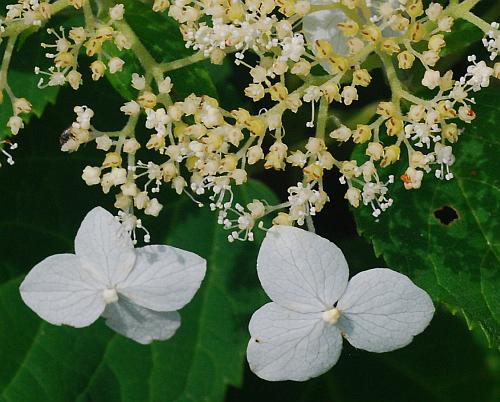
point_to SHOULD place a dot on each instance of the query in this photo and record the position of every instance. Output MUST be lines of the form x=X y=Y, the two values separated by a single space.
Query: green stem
x=322 y=118
x=186 y=61
x=392 y=77
x=479 y=22
x=90 y=20
x=147 y=61
x=7 y=56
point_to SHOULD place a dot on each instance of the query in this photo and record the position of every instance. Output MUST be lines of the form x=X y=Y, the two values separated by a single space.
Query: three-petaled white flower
x=299 y=334
x=137 y=291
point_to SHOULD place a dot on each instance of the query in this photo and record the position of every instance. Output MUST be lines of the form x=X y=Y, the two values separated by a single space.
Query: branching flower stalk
x=206 y=150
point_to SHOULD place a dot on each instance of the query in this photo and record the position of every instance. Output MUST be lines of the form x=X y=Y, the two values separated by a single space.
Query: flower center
x=110 y=295
x=332 y=316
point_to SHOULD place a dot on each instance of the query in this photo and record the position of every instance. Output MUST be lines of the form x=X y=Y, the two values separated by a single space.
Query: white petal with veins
x=383 y=310
x=287 y=345
x=60 y=291
x=300 y=270
x=139 y=323
x=105 y=247
x=164 y=278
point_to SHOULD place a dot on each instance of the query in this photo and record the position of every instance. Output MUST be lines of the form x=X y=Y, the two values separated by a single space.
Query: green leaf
x=41 y=362
x=456 y=261
x=462 y=35
x=161 y=36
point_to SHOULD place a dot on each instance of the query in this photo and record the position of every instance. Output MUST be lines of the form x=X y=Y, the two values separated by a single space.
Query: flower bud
x=131 y=146
x=112 y=159
x=91 y=175
x=371 y=33
x=282 y=219
x=391 y=155
x=254 y=154
x=390 y=46
x=348 y=27
x=160 y=5
x=122 y=202
x=361 y=77
x=21 y=105
x=313 y=172
x=116 y=12
x=115 y=65
x=431 y=79
x=323 y=48
x=342 y=134
x=353 y=195
x=98 y=68
x=374 y=150
x=147 y=100
x=445 y=23
x=405 y=60
x=434 y=11
x=394 y=126
x=466 y=114
x=257 y=209
x=416 y=32
x=74 y=78
x=450 y=132
x=415 y=8
x=416 y=113
x=349 y=94
x=362 y=134
x=315 y=145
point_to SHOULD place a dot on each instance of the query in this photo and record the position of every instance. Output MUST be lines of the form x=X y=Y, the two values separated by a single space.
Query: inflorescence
x=205 y=150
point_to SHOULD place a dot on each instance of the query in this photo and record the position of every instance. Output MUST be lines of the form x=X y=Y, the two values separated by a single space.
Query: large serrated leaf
x=455 y=258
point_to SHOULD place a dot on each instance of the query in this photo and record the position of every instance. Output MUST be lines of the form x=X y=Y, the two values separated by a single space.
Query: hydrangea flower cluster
x=205 y=150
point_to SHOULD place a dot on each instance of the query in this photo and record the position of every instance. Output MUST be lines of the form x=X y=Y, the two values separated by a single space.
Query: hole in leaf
x=446 y=215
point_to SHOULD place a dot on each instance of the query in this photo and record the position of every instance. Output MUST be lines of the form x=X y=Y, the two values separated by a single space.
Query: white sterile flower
x=299 y=334
x=137 y=291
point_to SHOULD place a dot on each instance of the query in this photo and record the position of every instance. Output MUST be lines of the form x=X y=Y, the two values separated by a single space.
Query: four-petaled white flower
x=299 y=334
x=137 y=291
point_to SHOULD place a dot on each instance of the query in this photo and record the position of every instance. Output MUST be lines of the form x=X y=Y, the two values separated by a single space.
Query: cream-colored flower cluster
x=203 y=150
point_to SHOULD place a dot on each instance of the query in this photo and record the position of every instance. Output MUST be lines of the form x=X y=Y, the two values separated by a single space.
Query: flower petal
x=383 y=310
x=287 y=345
x=139 y=323
x=60 y=291
x=105 y=247
x=301 y=270
x=164 y=278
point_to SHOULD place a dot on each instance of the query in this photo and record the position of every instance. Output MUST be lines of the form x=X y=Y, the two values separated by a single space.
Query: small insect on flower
x=299 y=334
x=137 y=290
x=66 y=136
